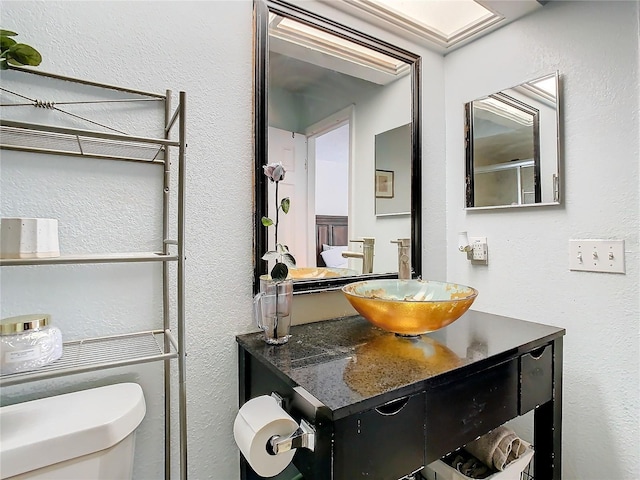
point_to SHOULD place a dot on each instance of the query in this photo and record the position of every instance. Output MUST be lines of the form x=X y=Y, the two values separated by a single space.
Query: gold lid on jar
x=24 y=323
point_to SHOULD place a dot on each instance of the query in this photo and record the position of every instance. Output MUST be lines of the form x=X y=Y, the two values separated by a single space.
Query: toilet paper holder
x=303 y=437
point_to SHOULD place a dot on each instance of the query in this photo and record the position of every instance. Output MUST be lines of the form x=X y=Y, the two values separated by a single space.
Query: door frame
x=346 y=116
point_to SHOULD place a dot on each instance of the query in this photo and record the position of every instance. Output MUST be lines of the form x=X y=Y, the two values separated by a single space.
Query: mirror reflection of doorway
x=289 y=148
x=328 y=159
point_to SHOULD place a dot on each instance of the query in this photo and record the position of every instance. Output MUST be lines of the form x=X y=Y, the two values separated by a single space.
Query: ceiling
x=305 y=61
x=439 y=25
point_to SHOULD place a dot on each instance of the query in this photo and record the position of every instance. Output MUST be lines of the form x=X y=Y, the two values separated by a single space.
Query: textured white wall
x=396 y=100
x=594 y=45
x=204 y=48
x=332 y=172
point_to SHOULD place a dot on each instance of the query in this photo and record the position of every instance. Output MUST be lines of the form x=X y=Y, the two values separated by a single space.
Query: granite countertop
x=348 y=364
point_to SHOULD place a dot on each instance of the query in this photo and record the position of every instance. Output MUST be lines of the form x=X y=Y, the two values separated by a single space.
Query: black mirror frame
x=469 y=183
x=261 y=9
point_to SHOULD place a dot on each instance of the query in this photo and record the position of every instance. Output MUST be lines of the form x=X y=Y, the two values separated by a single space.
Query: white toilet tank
x=86 y=435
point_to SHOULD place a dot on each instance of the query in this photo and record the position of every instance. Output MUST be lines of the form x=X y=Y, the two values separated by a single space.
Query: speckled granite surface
x=347 y=361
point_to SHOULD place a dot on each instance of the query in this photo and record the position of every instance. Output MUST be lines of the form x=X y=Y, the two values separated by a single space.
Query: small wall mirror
x=513 y=146
x=330 y=104
x=393 y=167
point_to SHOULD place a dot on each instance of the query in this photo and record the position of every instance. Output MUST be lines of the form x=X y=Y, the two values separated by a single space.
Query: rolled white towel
x=498 y=448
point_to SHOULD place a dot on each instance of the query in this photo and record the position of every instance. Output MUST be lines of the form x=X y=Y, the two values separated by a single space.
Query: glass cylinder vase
x=272 y=308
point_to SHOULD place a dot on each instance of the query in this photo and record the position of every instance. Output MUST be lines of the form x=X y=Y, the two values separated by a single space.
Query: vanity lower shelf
x=92 y=354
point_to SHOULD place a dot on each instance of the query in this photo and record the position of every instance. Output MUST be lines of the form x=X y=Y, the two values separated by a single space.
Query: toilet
x=77 y=436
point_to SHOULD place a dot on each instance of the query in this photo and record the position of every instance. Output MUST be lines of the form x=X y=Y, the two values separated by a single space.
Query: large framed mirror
x=324 y=96
x=512 y=146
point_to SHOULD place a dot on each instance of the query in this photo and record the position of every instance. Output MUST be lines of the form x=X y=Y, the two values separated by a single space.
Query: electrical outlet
x=597 y=255
x=479 y=250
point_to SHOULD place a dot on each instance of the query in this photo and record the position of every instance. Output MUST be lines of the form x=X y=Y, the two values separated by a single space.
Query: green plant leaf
x=271 y=255
x=288 y=259
x=4 y=65
x=267 y=222
x=6 y=42
x=7 y=33
x=279 y=272
x=24 y=54
x=285 y=204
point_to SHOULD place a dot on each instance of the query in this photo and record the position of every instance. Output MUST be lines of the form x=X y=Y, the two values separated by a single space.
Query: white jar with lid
x=28 y=342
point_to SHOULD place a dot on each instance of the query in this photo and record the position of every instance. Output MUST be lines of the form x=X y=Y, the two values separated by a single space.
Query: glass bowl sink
x=409 y=307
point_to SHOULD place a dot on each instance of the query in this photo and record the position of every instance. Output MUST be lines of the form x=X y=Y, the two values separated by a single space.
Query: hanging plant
x=14 y=53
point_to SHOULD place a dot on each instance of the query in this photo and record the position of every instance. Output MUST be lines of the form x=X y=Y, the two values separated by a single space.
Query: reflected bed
x=331 y=230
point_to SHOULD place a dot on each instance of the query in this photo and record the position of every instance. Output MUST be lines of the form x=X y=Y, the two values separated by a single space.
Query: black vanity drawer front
x=536 y=378
x=460 y=411
x=385 y=443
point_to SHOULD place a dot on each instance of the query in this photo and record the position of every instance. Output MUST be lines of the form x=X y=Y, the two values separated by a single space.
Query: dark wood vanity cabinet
x=384 y=442
x=536 y=378
x=461 y=411
x=385 y=406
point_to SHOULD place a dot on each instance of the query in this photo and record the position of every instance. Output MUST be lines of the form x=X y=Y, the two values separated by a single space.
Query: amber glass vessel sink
x=409 y=307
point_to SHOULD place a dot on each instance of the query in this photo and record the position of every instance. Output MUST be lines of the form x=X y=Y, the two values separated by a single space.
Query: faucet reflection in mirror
x=366 y=255
x=404 y=258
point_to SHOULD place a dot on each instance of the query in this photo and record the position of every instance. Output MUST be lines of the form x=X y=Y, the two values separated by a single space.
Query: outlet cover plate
x=479 y=250
x=605 y=256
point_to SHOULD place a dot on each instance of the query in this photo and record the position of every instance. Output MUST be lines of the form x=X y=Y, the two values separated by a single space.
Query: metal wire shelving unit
x=108 y=143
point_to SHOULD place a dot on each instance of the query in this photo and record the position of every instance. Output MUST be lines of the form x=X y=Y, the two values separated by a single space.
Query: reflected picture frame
x=384 y=184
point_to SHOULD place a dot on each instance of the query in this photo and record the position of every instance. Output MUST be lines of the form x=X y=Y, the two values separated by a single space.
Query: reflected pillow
x=331 y=247
x=333 y=256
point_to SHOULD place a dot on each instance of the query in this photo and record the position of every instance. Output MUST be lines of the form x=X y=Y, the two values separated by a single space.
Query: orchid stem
x=277 y=216
x=276 y=320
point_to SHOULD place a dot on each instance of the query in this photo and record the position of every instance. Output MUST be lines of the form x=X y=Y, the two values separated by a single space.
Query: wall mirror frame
x=513 y=146
x=262 y=10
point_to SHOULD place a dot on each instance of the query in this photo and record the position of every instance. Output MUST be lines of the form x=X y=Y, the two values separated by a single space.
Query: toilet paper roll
x=257 y=421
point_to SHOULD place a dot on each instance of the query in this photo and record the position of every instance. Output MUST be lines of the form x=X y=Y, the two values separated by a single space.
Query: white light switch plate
x=597 y=255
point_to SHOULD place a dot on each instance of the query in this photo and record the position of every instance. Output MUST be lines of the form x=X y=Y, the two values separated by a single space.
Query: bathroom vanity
x=384 y=406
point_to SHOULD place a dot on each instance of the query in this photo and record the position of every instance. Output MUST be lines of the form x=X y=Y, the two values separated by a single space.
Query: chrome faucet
x=404 y=258
x=366 y=255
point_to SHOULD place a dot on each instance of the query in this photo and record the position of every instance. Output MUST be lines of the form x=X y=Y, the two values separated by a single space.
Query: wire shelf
x=56 y=143
x=99 y=353
x=91 y=258
x=527 y=473
x=111 y=143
